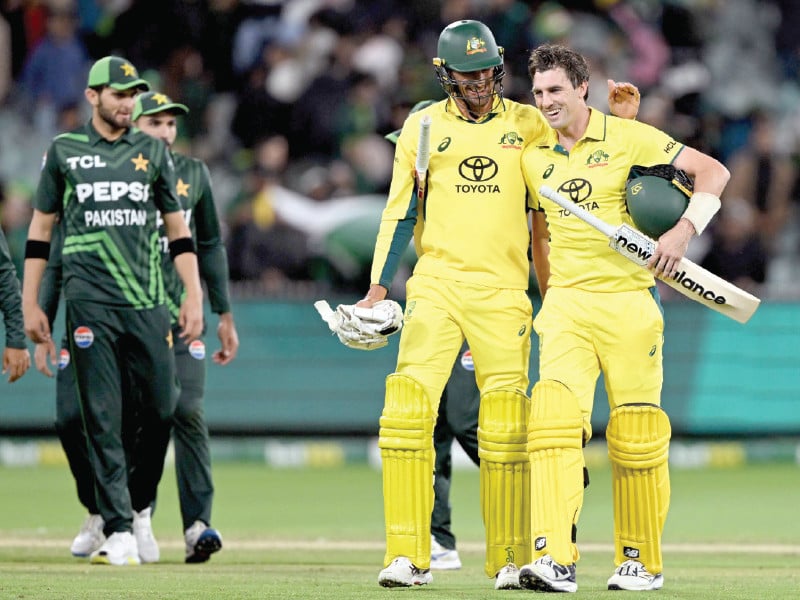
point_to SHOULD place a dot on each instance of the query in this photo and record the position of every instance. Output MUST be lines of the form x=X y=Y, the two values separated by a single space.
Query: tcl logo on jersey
x=85 y=162
x=466 y=361
x=113 y=191
x=83 y=336
x=197 y=349
x=63 y=359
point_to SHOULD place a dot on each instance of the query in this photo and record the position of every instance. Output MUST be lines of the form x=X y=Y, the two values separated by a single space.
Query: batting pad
x=638 y=446
x=406 y=444
x=555 y=451
x=504 y=478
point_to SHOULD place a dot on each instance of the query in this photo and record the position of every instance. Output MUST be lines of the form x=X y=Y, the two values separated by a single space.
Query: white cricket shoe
x=507 y=578
x=443 y=559
x=401 y=572
x=631 y=575
x=546 y=575
x=201 y=542
x=145 y=540
x=119 y=549
x=90 y=537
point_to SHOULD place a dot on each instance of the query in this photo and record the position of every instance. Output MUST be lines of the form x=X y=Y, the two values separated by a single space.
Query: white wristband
x=702 y=207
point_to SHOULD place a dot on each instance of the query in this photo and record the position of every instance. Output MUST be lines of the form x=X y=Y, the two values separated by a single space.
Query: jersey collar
x=95 y=138
x=452 y=107
x=596 y=130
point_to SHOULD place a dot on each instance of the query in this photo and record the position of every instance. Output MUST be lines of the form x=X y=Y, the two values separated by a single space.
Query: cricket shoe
x=507 y=578
x=401 y=572
x=443 y=559
x=119 y=549
x=631 y=575
x=201 y=542
x=145 y=540
x=546 y=575
x=90 y=537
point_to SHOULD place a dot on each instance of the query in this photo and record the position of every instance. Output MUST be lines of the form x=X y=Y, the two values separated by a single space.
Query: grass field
x=732 y=533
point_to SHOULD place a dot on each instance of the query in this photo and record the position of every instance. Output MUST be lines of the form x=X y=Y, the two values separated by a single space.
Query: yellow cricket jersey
x=593 y=174
x=472 y=226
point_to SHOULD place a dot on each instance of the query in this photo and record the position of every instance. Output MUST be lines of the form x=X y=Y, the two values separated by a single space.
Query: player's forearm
x=33 y=272
x=213 y=264
x=37 y=253
x=541 y=267
x=186 y=266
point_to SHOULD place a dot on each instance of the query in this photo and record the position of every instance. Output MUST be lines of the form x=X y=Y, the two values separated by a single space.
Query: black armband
x=37 y=249
x=181 y=245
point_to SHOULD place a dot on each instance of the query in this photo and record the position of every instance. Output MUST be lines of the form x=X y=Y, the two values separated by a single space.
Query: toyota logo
x=477 y=168
x=576 y=190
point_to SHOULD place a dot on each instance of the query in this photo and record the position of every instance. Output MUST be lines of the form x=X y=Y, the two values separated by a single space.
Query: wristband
x=180 y=246
x=37 y=249
x=702 y=207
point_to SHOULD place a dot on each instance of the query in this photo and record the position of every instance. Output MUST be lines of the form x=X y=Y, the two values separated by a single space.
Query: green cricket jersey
x=10 y=299
x=193 y=190
x=109 y=194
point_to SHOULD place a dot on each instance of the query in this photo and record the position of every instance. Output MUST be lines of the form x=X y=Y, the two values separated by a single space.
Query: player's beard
x=115 y=120
x=481 y=103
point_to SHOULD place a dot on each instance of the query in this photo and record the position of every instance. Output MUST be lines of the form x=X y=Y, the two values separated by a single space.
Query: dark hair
x=554 y=56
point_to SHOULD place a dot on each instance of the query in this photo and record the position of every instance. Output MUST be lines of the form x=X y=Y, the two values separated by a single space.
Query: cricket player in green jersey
x=470 y=282
x=16 y=358
x=107 y=182
x=600 y=312
x=156 y=115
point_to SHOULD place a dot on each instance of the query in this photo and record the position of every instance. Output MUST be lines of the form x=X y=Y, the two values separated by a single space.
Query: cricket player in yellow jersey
x=600 y=312
x=470 y=281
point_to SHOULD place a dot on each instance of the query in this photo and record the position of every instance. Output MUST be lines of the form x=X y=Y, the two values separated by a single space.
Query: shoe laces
x=561 y=571
x=633 y=568
x=509 y=568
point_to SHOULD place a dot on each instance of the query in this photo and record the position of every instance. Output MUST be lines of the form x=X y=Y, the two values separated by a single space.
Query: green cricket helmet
x=656 y=197
x=467 y=46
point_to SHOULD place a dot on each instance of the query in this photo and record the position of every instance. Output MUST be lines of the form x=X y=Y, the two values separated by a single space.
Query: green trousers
x=112 y=350
x=189 y=434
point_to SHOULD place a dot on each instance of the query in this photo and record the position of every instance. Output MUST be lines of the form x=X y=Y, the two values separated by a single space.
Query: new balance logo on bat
x=637 y=247
x=696 y=288
x=641 y=255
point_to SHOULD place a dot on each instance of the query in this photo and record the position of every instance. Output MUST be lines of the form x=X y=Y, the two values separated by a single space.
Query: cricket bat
x=423 y=155
x=691 y=280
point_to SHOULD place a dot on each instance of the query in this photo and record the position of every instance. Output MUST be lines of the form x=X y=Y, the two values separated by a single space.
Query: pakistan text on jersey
x=115 y=217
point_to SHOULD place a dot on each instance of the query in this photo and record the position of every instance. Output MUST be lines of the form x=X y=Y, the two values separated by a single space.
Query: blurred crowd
x=290 y=101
